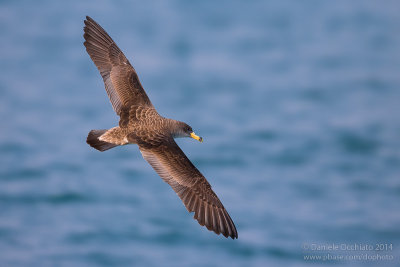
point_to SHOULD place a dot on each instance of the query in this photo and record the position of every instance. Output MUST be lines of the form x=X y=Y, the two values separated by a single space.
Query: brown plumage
x=141 y=124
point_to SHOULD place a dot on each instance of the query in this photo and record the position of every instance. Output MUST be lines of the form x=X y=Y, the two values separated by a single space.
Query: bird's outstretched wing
x=169 y=161
x=120 y=78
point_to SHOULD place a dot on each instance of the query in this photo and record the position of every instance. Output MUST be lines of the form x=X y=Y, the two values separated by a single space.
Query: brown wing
x=191 y=186
x=121 y=81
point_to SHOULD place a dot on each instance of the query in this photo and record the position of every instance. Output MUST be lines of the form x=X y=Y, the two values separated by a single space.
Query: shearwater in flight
x=141 y=124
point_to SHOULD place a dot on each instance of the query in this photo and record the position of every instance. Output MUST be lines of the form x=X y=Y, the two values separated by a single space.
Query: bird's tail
x=94 y=141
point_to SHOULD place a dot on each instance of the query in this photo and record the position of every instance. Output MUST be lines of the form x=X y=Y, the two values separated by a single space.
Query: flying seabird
x=141 y=124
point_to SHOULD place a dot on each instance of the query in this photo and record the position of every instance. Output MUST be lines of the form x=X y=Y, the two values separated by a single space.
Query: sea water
x=297 y=101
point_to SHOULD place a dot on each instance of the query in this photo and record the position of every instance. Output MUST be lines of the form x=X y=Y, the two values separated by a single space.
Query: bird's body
x=141 y=124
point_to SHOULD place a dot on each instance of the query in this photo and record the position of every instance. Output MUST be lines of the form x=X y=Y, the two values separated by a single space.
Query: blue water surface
x=298 y=103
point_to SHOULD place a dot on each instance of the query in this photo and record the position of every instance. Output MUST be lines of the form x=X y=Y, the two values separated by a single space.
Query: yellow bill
x=198 y=138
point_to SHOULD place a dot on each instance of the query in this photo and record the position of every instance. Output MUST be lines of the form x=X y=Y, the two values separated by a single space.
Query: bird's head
x=184 y=130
